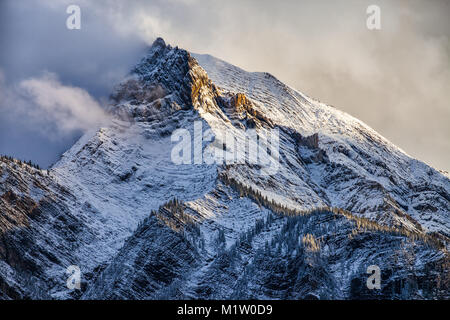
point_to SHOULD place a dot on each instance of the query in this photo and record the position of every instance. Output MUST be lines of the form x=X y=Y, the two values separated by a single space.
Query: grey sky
x=396 y=79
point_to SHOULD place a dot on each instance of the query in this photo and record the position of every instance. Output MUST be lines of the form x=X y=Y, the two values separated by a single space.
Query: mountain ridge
x=114 y=187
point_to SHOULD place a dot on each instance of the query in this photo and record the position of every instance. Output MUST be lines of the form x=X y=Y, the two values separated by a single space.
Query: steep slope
x=304 y=222
x=365 y=173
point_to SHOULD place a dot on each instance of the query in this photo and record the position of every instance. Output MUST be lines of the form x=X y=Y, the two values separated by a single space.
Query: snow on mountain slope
x=228 y=217
x=386 y=179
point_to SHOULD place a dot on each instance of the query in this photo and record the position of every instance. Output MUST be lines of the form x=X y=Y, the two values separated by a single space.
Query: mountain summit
x=139 y=225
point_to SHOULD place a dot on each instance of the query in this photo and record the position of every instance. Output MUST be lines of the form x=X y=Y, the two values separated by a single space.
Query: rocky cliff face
x=342 y=198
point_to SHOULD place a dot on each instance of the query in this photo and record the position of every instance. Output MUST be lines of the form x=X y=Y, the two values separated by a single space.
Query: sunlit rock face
x=140 y=226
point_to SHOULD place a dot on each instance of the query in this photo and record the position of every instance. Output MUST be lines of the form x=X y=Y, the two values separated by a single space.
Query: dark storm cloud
x=36 y=39
x=40 y=57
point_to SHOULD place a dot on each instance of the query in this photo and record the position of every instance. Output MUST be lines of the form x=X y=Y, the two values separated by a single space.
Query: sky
x=54 y=82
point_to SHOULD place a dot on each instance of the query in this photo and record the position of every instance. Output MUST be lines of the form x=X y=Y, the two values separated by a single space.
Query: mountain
x=326 y=198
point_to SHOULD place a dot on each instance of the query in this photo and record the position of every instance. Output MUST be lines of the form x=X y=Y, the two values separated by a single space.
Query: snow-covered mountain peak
x=141 y=225
x=166 y=80
x=159 y=42
x=327 y=157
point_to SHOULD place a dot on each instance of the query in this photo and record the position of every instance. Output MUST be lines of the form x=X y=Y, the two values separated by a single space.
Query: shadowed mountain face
x=141 y=226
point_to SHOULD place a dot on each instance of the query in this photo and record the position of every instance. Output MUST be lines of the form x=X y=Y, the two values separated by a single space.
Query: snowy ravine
x=140 y=226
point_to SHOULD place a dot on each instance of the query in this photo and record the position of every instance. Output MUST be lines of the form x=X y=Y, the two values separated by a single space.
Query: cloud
x=34 y=38
x=70 y=108
x=51 y=107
